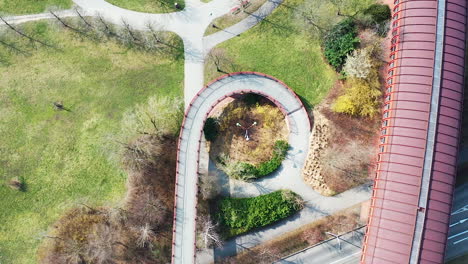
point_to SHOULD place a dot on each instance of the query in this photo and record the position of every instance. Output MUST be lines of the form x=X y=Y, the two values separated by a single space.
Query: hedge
x=341 y=40
x=240 y=215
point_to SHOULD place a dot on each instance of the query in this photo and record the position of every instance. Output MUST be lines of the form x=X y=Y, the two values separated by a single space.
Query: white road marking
x=459 y=222
x=336 y=261
x=461 y=210
x=458 y=241
x=459 y=234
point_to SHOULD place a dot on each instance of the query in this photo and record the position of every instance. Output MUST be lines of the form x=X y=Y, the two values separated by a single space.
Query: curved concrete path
x=214 y=39
x=190 y=24
x=14 y=20
x=190 y=138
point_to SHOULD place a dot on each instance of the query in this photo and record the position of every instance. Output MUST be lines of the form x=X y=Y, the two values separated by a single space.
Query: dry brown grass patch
x=139 y=232
x=230 y=141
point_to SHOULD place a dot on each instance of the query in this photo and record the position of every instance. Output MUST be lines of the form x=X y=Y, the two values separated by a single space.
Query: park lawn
x=149 y=6
x=20 y=7
x=67 y=157
x=277 y=48
x=231 y=19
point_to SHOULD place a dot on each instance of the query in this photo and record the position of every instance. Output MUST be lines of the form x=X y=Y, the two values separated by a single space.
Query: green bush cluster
x=247 y=171
x=239 y=215
x=341 y=40
x=267 y=167
x=378 y=13
x=211 y=128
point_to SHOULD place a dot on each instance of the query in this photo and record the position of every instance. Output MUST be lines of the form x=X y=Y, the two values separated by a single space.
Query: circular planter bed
x=247 y=137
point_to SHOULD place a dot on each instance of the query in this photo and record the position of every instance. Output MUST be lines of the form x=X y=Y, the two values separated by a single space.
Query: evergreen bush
x=340 y=41
x=239 y=215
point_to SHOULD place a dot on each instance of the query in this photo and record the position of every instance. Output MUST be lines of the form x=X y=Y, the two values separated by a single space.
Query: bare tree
x=73 y=252
x=83 y=19
x=219 y=58
x=141 y=153
x=22 y=34
x=145 y=207
x=16 y=184
x=210 y=235
x=103 y=26
x=145 y=236
x=315 y=17
x=69 y=26
x=101 y=244
x=116 y=216
x=165 y=44
x=349 y=8
x=129 y=36
x=13 y=47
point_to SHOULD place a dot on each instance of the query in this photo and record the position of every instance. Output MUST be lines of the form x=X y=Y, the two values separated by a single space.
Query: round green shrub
x=379 y=13
x=211 y=128
x=341 y=40
x=252 y=99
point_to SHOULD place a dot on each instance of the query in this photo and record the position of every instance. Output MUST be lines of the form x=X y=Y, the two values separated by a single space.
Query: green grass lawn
x=67 y=157
x=18 y=7
x=277 y=48
x=149 y=6
x=230 y=19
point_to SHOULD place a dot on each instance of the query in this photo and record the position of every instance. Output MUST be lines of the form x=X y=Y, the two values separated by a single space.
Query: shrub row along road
x=189 y=145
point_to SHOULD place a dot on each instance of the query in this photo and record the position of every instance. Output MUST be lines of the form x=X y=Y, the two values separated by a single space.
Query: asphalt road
x=457 y=244
x=330 y=252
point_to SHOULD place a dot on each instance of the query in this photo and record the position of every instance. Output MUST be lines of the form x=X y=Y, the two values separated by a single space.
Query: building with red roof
x=412 y=196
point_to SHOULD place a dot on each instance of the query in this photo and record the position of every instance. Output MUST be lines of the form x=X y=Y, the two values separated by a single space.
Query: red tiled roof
x=400 y=185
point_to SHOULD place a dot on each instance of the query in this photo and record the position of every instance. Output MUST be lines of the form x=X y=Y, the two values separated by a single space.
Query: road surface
x=330 y=252
x=457 y=244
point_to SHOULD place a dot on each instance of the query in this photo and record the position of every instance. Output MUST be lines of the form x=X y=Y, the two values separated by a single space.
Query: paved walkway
x=190 y=24
x=287 y=177
x=14 y=20
x=214 y=39
x=190 y=145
